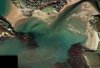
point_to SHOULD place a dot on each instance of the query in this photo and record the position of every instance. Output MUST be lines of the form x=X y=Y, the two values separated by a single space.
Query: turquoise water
x=48 y=40
x=54 y=42
x=55 y=37
x=4 y=7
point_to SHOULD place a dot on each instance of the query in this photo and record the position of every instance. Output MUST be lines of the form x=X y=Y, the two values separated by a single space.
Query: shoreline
x=14 y=14
x=91 y=42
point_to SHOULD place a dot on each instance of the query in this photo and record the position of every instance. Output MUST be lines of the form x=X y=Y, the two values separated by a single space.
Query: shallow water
x=4 y=7
x=53 y=44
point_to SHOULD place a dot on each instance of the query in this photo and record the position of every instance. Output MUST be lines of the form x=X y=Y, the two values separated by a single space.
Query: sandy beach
x=14 y=15
x=92 y=36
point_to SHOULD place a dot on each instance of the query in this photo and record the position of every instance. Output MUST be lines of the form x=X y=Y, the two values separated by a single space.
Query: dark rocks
x=95 y=23
x=28 y=6
x=8 y=32
x=77 y=57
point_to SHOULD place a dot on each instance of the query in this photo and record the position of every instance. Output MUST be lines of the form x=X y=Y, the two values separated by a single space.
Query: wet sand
x=14 y=14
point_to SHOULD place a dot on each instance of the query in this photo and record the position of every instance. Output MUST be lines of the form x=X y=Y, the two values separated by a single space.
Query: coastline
x=85 y=13
x=92 y=42
x=14 y=14
x=92 y=36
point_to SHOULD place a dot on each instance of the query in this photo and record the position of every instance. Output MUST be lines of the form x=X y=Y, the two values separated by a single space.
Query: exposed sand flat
x=92 y=36
x=14 y=14
x=84 y=13
x=92 y=41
